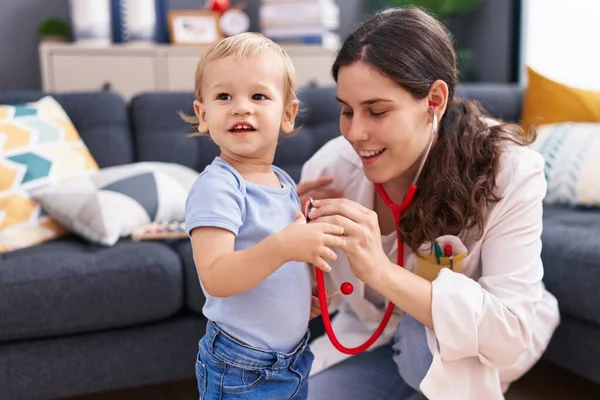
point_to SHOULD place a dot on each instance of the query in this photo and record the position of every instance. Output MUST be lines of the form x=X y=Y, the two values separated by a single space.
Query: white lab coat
x=494 y=320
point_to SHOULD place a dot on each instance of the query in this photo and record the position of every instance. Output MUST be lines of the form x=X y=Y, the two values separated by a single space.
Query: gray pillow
x=114 y=202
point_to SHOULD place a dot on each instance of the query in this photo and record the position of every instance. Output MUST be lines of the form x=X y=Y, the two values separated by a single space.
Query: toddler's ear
x=289 y=116
x=201 y=114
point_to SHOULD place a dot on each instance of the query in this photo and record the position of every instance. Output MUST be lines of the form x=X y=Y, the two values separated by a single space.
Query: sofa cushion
x=547 y=101
x=498 y=99
x=161 y=134
x=194 y=298
x=68 y=286
x=571 y=256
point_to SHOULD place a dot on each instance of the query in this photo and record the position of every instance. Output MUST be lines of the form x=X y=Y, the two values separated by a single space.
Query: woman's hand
x=368 y=261
x=363 y=237
x=317 y=189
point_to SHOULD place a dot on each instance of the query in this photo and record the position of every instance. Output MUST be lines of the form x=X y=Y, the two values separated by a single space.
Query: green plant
x=441 y=8
x=54 y=26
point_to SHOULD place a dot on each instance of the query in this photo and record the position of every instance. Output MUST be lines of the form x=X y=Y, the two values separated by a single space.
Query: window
x=562 y=41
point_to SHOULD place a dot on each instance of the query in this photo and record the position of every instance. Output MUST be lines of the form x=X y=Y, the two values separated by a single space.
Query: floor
x=544 y=382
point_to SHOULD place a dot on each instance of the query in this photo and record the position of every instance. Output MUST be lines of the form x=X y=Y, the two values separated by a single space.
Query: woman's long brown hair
x=458 y=180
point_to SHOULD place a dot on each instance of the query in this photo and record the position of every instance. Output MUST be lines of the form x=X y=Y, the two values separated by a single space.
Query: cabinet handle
x=106 y=87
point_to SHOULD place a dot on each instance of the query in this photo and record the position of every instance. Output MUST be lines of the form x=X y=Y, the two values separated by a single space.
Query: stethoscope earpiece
x=306 y=207
x=434 y=118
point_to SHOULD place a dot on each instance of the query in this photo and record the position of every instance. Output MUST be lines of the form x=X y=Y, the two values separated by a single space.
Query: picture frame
x=194 y=27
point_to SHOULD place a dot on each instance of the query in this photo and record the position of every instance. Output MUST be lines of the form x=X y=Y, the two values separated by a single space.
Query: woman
x=461 y=331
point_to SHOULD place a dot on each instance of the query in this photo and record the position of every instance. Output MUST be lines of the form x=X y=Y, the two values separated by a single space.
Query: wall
x=492 y=32
x=561 y=41
x=19 y=61
x=495 y=42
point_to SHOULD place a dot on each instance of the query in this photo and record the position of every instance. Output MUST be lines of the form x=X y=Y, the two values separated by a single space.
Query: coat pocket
x=446 y=252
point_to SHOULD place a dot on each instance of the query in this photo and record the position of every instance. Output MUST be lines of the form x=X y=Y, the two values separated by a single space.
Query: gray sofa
x=78 y=318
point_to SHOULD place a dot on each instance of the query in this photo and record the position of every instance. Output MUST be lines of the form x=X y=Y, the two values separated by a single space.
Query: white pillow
x=113 y=202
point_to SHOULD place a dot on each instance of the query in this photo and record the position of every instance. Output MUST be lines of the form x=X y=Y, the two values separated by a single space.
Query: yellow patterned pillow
x=39 y=146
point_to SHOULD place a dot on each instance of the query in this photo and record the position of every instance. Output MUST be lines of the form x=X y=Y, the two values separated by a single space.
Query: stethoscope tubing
x=397 y=210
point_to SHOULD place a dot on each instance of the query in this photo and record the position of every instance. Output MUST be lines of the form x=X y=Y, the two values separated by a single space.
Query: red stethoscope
x=346 y=287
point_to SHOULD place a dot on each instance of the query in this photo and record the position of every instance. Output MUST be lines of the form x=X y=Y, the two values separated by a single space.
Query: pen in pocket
x=448 y=252
x=438 y=252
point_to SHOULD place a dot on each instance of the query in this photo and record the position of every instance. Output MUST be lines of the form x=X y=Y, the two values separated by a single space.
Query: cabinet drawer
x=313 y=68
x=180 y=72
x=126 y=75
x=310 y=68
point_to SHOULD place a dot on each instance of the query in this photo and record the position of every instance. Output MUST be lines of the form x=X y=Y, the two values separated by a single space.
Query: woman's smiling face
x=386 y=125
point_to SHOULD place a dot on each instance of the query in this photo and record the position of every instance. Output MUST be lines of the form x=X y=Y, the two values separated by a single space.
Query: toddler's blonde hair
x=248 y=45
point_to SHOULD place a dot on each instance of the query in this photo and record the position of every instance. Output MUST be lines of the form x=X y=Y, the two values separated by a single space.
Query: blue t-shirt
x=273 y=315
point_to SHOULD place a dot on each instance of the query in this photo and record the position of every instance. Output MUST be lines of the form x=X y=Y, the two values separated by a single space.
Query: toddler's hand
x=315 y=306
x=312 y=242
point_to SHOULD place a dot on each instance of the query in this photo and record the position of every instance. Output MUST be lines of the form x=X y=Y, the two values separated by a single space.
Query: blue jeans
x=391 y=372
x=227 y=368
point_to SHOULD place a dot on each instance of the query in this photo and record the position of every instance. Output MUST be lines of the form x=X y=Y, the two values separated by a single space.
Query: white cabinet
x=125 y=75
x=69 y=67
x=131 y=69
x=180 y=71
x=312 y=66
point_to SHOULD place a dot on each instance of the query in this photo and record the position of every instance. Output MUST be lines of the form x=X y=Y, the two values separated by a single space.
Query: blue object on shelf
x=162 y=30
x=121 y=33
x=117 y=23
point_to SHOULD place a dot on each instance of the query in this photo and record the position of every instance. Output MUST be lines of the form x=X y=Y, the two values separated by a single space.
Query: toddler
x=251 y=244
